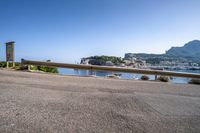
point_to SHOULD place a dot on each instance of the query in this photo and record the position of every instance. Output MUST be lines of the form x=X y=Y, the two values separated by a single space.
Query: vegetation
x=117 y=74
x=163 y=78
x=144 y=77
x=3 y=64
x=39 y=68
x=45 y=69
x=194 y=81
x=101 y=60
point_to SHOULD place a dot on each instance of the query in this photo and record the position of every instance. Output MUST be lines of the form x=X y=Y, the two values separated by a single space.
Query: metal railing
x=111 y=68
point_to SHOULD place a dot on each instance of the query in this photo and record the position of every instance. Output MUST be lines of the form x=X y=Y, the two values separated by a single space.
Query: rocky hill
x=189 y=50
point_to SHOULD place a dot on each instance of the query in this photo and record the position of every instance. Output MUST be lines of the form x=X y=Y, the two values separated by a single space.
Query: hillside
x=189 y=50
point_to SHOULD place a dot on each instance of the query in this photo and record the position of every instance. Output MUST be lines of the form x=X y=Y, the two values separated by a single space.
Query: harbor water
x=66 y=71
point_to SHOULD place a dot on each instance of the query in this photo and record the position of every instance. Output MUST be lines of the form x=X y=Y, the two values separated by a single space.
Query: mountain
x=190 y=50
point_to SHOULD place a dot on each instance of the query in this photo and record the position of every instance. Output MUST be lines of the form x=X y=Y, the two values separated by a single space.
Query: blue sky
x=66 y=30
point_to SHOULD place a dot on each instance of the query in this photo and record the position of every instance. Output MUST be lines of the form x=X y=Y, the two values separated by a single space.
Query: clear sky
x=66 y=30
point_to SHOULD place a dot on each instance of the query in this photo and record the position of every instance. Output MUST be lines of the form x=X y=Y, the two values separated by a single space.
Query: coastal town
x=132 y=60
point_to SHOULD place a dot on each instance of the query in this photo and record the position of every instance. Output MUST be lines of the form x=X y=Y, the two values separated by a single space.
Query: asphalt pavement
x=34 y=103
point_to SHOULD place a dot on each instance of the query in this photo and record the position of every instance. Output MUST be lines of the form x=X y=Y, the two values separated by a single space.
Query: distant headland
x=186 y=56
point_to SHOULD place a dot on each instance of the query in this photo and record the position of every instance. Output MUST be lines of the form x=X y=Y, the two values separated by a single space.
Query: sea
x=66 y=71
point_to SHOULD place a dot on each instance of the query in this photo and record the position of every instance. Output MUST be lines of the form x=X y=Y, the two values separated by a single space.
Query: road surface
x=34 y=103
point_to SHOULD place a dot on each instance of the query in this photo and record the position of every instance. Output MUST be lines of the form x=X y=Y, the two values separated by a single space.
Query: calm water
x=123 y=75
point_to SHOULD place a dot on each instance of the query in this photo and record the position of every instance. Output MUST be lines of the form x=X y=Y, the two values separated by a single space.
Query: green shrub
x=3 y=64
x=40 y=68
x=34 y=67
x=24 y=67
x=194 y=81
x=45 y=69
x=163 y=78
x=144 y=77
x=117 y=74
